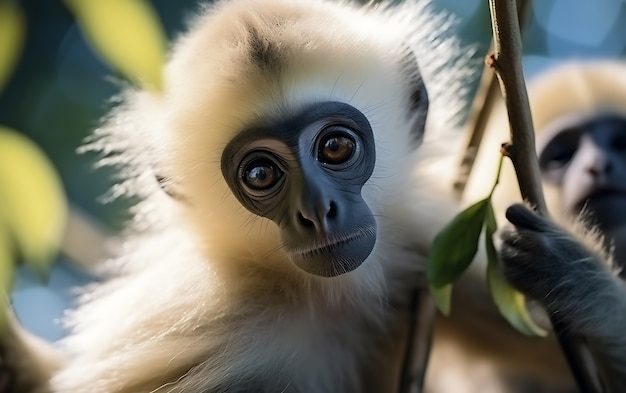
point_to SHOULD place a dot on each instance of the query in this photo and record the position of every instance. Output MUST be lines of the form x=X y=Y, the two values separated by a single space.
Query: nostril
x=600 y=167
x=332 y=211
x=305 y=221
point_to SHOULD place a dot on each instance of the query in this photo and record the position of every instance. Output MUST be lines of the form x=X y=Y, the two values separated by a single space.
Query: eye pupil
x=561 y=159
x=261 y=174
x=336 y=149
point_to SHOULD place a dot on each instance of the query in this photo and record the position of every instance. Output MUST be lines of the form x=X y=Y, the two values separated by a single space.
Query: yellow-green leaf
x=33 y=208
x=510 y=302
x=12 y=28
x=7 y=265
x=443 y=298
x=127 y=34
x=455 y=246
x=7 y=260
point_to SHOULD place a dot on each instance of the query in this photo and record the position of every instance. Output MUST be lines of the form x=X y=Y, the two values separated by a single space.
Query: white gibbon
x=278 y=251
x=574 y=274
x=579 y=114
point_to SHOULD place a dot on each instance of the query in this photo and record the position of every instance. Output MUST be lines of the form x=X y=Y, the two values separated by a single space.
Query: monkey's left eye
x=336 y=148
x=261 y=174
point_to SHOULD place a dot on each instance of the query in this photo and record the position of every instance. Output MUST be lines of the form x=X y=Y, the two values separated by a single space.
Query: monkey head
x=581 y=140
x=281 y=144
x=579 y=118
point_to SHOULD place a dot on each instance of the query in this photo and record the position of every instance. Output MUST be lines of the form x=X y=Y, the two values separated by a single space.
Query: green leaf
x=7 y=260
x=12 y=28
x=127 y=34
x=33 y=208
x=7 y=266
x=510 y=302
x=443 y=298
x=455 y=246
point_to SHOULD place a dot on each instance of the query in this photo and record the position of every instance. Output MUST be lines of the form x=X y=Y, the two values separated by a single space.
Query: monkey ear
x=418 y=100
x=168 y=186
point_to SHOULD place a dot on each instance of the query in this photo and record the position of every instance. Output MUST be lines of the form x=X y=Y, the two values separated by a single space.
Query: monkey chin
x=334 y=257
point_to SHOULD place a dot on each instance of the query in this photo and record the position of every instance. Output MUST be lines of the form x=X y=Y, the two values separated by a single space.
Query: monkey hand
x=543 y=260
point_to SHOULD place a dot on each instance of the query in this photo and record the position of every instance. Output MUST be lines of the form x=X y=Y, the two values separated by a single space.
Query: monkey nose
x=599 y=167
x=319 y=217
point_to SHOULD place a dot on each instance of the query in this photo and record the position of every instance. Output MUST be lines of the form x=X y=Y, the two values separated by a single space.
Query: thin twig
x=419 y=342
x=508 y=67
x=487 y=94
x=482 y=107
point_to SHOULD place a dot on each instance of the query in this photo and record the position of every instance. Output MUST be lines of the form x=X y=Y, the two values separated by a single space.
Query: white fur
x=475 y=340
x=202 y=298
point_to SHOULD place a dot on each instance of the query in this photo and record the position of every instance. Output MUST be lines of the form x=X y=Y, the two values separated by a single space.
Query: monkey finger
x=522 y=239
x=522 y=217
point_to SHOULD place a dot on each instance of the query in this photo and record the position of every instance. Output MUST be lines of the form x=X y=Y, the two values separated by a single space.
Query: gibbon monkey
x=293 y=141
x=582 y=156
x=579 y=114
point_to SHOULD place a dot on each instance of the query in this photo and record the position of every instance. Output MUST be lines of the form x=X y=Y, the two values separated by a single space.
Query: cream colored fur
x=475 y=343
x=202 y=298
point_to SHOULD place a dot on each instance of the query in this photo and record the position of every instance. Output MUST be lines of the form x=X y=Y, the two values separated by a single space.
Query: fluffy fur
x=571 y=281
x=568 y=93
x=202 y=297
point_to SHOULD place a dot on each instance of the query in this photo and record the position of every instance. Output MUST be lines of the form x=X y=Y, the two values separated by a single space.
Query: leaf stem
x=497 y=181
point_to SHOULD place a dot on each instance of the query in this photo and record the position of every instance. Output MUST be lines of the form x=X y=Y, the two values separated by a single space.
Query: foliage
x=34 y=207
x=12 y=27
x=454 y=249
x=126 y=33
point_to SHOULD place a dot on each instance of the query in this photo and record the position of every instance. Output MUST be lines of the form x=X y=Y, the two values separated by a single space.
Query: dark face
x=588 y=162
x=306 y=173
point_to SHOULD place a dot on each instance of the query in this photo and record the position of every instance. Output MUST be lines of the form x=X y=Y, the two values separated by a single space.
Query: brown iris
x=336 y=149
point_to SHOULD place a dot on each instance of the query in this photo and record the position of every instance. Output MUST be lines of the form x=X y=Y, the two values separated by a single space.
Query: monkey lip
x=601 y=195
x=605 y=207
x=336 y=255
x=327 y=245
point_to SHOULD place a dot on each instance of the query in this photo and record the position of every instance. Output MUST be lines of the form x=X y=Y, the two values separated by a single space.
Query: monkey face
x=587 y=160
x=306 y=173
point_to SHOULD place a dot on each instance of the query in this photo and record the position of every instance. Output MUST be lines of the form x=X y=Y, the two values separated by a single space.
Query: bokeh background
x=61 y=88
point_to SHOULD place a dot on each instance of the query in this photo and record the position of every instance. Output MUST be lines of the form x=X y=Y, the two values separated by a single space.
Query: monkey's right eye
x=559 y=159
x=261 y=174
x=560 y=151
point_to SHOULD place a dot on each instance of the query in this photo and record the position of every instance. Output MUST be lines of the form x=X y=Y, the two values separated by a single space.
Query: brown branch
x=482 y=107
x=508 y=67
x=417 y=352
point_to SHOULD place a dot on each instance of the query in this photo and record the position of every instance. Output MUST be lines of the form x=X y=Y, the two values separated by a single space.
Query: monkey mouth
x=335 y=255
x=327 y=245
x=605 y=207
x=602 y=195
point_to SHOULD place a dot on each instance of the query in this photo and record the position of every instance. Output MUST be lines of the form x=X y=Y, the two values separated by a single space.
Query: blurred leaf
x=7 y=267
x=12 y=29
x=443 y=298
x=127 y=34
x=7 y=261
x=33 y=208
x=510 y=302
x=455 y=246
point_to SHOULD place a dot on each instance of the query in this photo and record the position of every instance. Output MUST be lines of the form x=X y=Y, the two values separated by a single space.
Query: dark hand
x=540 y=258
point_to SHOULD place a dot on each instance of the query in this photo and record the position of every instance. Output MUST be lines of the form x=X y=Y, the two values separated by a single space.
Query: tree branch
x=419 y=342
x=508 y=67
x=482 y=107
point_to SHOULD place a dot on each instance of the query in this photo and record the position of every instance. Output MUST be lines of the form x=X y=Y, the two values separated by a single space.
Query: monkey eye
x=336 y=148
x=261 y=174
x=559 y=159
x=560 y=150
